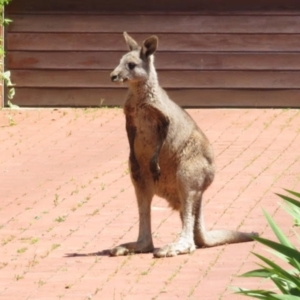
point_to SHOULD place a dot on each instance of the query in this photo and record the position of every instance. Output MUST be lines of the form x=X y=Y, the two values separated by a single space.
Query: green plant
x=7 y=240
x=34 y=241
x=32 y=262
x=6 y=76
x=22 y=250
x=54 y=246
x=41 y=282
x=55 y=201
x=4 y=21
x=18 y=277
x=60 y=219
x=11 y=121
x=95 y=212
x=286 y=282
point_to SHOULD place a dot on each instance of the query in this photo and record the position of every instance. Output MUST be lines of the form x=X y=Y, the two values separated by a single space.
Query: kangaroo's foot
x=221 y=237
x=128 y=248
x=181 y=247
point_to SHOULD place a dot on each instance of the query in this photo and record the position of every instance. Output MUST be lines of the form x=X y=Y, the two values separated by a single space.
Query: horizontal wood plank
x=167 y=42
x=136 y=5
x=163 y=60
x=154 y=23
x=187 y=98
x=168 y=79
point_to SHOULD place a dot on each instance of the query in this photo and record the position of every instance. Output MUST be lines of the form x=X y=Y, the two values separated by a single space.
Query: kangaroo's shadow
x=98 y=253
x=105 y=252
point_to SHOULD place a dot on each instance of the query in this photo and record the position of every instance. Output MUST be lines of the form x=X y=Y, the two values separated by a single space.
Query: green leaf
x=11 y=105
x=6 y=77
x=285 y=297
x=290 y=260
x=291 y=254
x=293 y=206
x=294 y=212
x=281 y=284
x=259 y=294
x=264 y=294
x=278 y=232
x=293 y=193
x=279 y=271
x=6 y=21
x=289 y=199
x=263 y=273
x=11 y=93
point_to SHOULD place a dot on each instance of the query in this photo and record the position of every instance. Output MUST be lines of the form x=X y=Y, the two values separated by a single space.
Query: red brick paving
x=65 y=189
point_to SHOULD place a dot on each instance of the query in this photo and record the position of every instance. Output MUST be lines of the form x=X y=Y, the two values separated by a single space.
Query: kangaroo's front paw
x=156 y=174
x=129 y=248
x=155 y=169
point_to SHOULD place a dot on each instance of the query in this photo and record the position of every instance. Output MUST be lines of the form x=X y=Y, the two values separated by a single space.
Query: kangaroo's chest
x=146 y=136
x=142 y=122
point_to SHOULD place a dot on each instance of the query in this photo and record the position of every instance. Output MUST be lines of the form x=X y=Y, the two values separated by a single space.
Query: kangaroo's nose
x=113 y=77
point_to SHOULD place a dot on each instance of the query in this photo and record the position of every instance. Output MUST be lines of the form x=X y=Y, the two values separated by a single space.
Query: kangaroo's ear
x=131 y=43
x=149 y=46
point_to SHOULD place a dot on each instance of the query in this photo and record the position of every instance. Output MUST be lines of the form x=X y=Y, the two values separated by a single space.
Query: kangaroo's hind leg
x=144 y=241
x=185 y=243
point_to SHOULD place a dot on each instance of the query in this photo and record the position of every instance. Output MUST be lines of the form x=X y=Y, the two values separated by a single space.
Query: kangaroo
x=169 y=156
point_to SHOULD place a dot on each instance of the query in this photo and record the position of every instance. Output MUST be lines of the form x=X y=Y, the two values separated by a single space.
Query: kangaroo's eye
x=131 y=65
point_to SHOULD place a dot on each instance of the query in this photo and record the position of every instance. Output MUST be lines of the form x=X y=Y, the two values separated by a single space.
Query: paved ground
x=66 y=197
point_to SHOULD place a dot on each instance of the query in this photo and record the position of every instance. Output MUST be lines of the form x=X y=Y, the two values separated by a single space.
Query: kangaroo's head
x=137 y=64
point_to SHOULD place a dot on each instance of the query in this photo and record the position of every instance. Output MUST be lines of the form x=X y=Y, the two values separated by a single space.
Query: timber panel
x=93 y=60
x=167 y=42
x=60 y=52
x=168 y=79
x=162 y=5
x=184 y=97
x=159 y=23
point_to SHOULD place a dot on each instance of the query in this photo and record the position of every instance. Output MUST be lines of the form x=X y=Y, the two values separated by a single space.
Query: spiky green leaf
x=292 y=255
x=289 y=199
x=293 y=193
x=278 y=232
x=285 y=297
x=279 y=271
x=262 y=273
x=259 y=294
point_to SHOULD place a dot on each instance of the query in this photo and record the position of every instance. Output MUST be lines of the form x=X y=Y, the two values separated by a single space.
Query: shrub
x=287 y=282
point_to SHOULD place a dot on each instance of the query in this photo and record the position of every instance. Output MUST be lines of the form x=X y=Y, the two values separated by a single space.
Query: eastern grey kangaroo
x=169 y=157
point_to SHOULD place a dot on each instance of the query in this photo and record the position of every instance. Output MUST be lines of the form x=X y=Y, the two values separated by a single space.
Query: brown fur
x=169 y=157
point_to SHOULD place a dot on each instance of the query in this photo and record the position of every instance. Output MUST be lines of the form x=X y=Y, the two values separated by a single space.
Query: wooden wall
x=211 y=53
